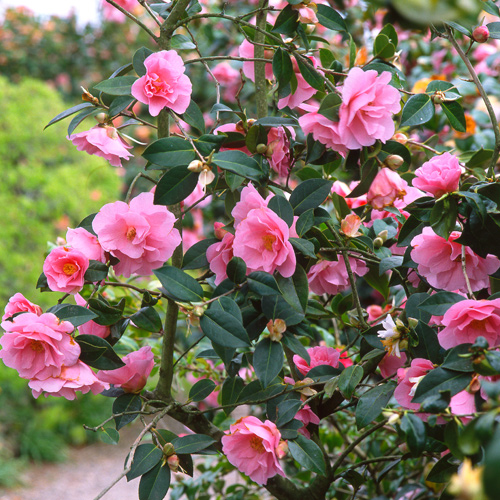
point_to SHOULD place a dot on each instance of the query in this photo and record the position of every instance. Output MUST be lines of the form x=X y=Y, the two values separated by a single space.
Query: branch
x=136 y=21
x=260 y=67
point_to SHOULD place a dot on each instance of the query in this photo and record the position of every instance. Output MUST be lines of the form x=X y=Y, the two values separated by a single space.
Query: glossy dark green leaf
x=201 y=389
x=240 y=164
x=372 y=403
x=181 y=42
x=415 y=432
x=76 y=315
x=116 y=86
x=428 y=345
x=138 y=60
x=287 y=21
x=440 y=302
x=330 y=18
x=147 y=319
x=349 y=380
x=69 y=112
x=443 y=470
x=287 y=410
x=127 y=403
x=441 y=379
x=76 y=120
x=109 y=435
x=294 y=344
x=303 y=246
x=494 y=29
x=391 y=33
x=308 y=454
x=175 y=186
x=383 y=47
x=98 y=353
x=455 y=114
x=262 y=283
x=236 y=270
x=155 y=483
x=268 y=360
x=305 y=222
x=311 y=76
x=146 y=456
x=418 y=110
x=369 y=170
x=444 y=217
x=276 y=307
x=281 y=206
x=224 y=329
x=450 y=91
x=310 y=194
x=196 y=256
x=330 y=106
x=282 y=67
x=107 y=314
x=178 y=285
x=97 y=271
x=231 y=389
x=170 y=152
x=194 y=117
x=192 y=443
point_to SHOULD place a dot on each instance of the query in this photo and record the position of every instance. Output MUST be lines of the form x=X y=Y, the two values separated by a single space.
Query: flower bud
x=412 y=322
x=219 y=230
x=168 y=450
x=438 y=97
x=276 y=329
x=481 y=34
x=383 y=235
x=261 y=149
x=173 y=463
x=400 y=137
x=250 y=122
x=282 y=449
x=394 y=161
x=198 y=311
x=378 y=242
x=196 y=166
x=101 y=117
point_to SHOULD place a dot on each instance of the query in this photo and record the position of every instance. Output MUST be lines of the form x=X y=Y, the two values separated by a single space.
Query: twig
x=470 y=293
x=132 y=287
x=133 y=183
x=150 y=12
x=136 y=21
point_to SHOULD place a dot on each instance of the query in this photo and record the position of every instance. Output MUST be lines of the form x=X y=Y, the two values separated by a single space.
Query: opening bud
x=101 y=117
x=276 y=329
x=400 y=137
x=196 y=166
x=206 y=176
x=394 y=162
x=481 y=34
x=412 y=322
x=383 y=235
x=173 y=463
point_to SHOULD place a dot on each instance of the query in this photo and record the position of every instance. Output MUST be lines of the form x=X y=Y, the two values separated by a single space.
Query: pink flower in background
x=112 y=14
x=19 y=303
x=219 y=255
x=411 y=195
x=38 y=346
x=278 y=150
x=75 y=378
x=303 y=92
x=342 y=189
x=91 y=327
x=103 y=141
x=331 y=276
x=133 y=376
x=307 y=14
x=246 y=50
x=385 y=189
x=140 y=234
x=250 y=199
x=229 y=78
x=306 y=416
x=390 y=364
x=469 y=319
x=319 y=355
x=252 y=447
x=65 y=269
x=439 y=175
x=262 y=241
x=84 y=241
x=439 y=262
x=198 y=194
x=164 y=85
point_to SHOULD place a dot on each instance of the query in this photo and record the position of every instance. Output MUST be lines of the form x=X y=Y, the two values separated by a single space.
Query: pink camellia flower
x=38 y=346
x=278 y=150
x=439 y=175
x=133 y=376
x=321 y=128
x=439 y=262
x=103 y=141
x=262 y=241
x=91 y=327
x=229 y=78
x=112 y=14
x=75 y=378
x=140 y=234
x=307 y=14
x=411 y=195
x=252 y=447
x=331 y=276
x=219 y=255
x=250 y=199
x=84 y=241
x=19 y=303
x=466 y=320
x=164 y=85
x=385 y=189
x=246 y=50
x=65 y=270
x=350 y=225
x=319 y=355
x=342 y=189
x=303 y=92
x=460 y=404
x=391 y=364
x=306 y=416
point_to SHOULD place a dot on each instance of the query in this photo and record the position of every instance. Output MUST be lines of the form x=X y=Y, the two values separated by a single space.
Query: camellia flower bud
x=438 y=97
x=168 y=450
x=173 y=463
x=196 y=166
x=198 y=311
x=261 y=149
x=101 y=117
x=481 y=34
x=383 y=235
x=394 y=161
x=378 y=242
x=282 y=449
x=400 y=137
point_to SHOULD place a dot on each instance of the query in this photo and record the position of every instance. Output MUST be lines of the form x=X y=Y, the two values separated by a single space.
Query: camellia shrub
x=309 y=282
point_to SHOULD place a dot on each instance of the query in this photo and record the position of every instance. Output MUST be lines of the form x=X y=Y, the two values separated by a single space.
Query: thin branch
x=133 y=183
x=470 y=293
x=136 y=21
x=133 y=287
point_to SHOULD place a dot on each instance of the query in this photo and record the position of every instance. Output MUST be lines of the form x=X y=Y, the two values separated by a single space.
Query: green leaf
x=80 y=117
x=147 y=319
x=287 y=21
x=369 y=171
x=239 y=163
x=231 y=389
x=76 y=315
x=440 y=302
x=109 y=435
x=98 y=353
x=383 y=47
x=138 y=60
x=194 y=117
x=410 y=229
x=490 y=7
x=418 y=110
x=155 y=483
x=120 y=85
x=389 y=263
x=305 y=222
x=330 y=18
x=276 y=307
x=263 y=283
x=415 y=432
x=182 y=42
x=303 y=246
x=491 y=477
x=236 y=270
x=391 y=33
x=311 y=76
x=450 y=91
x=443 y=470
x=349 y=380
x=455 y=361
x=201 y=389
x=444 y=217
x=192 y=443
x=175 y=186
x=127 y=403
x=276 y=121
x=287 y=410
x=441 y=379
x=428 y=345
x=372 y=402
x=294 y=344
x=69 y=112
x=170 y=152
x=455 y=114
x=310 y=194
x=107 y=314
x=224 y=329
x=295 y=289
x=282 y=67
x=281 y=206
x=146 y=456
x=330 y=106
x=268 y=360
x=97 y=271
x=494 y=29
x=196 y=256
x=178 y=285
x=460 y=28
x=308 y=454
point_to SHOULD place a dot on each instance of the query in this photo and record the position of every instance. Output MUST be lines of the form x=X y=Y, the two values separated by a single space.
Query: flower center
x=36 y=346
x=256 y=444
x=131 y=232
x=478 y=324
x=69 y=269
x=268 y=240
